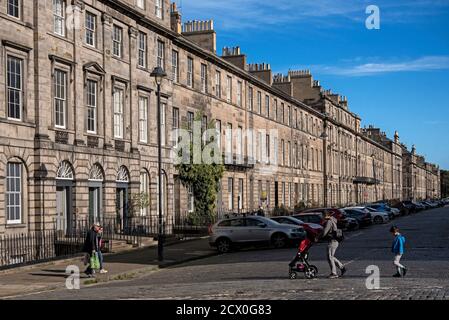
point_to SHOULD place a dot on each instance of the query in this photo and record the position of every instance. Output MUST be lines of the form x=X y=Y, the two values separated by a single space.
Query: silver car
x=253 y=230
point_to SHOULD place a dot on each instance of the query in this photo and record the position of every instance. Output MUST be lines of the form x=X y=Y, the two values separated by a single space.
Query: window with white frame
x=143 y=119
x=14 y=87
x=275 y=110
x=159 y=9
x=59 y=17
x=229 y=89
x=142 y=50
x=174 y=65
x=283 y=151
x=267 y=148
x=190 y=199
x=240 y=199
x=190 y=72
x=117 y=41
x=91 y=97
x=240 y=144
x=60 y=97
x=239 y=93
x=175 y=125
x=259 y=102
x=161 y=54
x=144 y=189
x=163 y=123
x=229 y=151
x=204 y=78
x=118 y=113
x=13 y=195
x=14 y=8
x=140 y=4
x=250 y=98
x=289 y=115
x=230 y=193
x=218 y=84
x=91 y=27
x=218 y=133
x=267 y=105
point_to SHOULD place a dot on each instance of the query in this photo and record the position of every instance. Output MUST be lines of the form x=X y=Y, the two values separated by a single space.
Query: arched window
x=144 y=189
x=123 y=174
x=14 y=195
x=96 y=173
x=65 y=171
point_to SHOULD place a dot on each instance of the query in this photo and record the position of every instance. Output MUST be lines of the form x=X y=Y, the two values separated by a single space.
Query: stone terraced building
x=78 y=120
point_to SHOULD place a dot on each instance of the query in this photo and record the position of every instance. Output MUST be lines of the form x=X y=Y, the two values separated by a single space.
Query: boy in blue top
x=398 y=250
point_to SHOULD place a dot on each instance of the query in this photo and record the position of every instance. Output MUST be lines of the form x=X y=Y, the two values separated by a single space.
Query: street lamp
x=324 y=136
x=159 y=74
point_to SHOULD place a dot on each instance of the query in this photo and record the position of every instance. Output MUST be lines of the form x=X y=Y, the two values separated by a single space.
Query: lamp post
x=159 y=74
x=324 y=137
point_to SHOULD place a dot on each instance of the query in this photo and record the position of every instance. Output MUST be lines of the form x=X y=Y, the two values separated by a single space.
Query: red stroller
x=300 y=262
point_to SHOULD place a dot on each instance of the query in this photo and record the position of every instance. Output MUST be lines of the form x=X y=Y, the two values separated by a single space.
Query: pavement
x=52 y=276
x=263 y=273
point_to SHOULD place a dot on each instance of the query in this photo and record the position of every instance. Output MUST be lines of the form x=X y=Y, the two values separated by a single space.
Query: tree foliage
x=204 y=181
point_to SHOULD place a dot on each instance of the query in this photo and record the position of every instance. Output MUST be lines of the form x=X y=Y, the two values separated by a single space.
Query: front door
x=94 y=204
x=177 y=199
x=122 y=207
x=276 y=194
x=62 y=209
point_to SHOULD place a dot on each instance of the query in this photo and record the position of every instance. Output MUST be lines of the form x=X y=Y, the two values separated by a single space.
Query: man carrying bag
x=91 y=248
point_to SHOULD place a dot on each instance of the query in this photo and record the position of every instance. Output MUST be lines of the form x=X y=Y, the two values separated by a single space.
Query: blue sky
x=396 y=77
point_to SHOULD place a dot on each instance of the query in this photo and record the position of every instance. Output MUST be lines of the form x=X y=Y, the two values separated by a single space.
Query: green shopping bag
x=94 y=261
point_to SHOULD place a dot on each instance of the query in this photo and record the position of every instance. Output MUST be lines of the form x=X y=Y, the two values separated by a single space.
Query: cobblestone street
x=263 y=274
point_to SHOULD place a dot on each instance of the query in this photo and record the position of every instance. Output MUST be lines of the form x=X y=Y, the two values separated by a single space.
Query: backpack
x=338 y=235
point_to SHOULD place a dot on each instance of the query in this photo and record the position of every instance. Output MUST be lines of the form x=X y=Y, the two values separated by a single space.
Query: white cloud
x=242 y=15
x=427 y=63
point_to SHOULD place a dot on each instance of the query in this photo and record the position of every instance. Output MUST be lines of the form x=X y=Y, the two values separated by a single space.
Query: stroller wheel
x=311 y=272
x=292 y=275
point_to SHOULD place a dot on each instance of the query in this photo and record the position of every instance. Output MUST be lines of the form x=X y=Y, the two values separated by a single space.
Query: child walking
x=398 y=250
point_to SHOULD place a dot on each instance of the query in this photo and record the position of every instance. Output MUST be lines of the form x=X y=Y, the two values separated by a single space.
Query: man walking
x=398 y=250
x=330 y=233
x=91 y=247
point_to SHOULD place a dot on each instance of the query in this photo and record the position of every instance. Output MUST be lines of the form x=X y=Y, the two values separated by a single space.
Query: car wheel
x=378 y=220
x=311 y=272
x=223 y=245
x=279 y=240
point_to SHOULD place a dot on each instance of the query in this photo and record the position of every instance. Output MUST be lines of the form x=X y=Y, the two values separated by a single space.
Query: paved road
x=263 y=274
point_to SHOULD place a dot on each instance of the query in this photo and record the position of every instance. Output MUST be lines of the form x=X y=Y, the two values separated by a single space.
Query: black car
x=363 y=218
x=410 y=206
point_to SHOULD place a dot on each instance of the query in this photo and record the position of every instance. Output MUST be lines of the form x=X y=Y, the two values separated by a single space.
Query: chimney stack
x=261 y=71
x=234 y=56
x=175 y=19
x=201 y=33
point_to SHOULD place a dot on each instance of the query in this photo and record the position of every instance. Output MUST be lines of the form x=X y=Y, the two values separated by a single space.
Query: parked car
x=409 y=207
x=353 y=224
x=425 y=205
x=378 y=217
x=312 y=217
x=431 y=204
x=342 y=223
x=363 y=218
x=392 y=212
x=250 y=231
x=314 y=227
